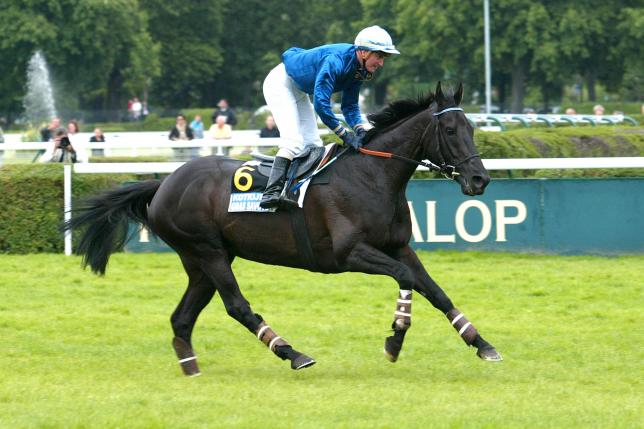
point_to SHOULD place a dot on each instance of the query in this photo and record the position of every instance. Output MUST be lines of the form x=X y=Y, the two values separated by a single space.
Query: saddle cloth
x=250 y=179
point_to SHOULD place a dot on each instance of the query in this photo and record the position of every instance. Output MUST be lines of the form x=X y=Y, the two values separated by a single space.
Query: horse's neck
x=402 y=140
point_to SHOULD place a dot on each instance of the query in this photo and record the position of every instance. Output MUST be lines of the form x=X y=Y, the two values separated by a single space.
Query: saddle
x=249 y=182
x=303 y=164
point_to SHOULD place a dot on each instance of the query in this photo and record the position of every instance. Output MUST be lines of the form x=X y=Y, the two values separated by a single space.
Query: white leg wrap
x=402 y=315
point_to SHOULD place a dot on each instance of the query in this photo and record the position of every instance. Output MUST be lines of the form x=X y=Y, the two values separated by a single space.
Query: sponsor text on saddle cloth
x=249 y=181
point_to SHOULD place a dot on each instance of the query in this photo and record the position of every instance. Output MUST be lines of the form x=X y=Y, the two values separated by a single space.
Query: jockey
x=319 y=72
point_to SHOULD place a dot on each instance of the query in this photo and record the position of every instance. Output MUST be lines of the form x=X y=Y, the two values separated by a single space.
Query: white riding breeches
x=293 y=113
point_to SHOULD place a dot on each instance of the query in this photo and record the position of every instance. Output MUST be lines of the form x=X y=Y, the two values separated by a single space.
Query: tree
x=189 y=35
x=631 y=46
x=22 y=31
x=92 y=47
x=106 y=51
x=441 y=40
x=256 y=33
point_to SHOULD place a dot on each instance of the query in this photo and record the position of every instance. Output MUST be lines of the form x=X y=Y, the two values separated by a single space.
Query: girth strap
x=302 y=239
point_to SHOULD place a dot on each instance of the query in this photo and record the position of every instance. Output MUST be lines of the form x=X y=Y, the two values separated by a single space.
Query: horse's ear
x=439 y=92
x=458 y=95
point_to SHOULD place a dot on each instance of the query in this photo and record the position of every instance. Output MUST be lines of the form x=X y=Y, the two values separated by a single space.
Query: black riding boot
x=276 y=179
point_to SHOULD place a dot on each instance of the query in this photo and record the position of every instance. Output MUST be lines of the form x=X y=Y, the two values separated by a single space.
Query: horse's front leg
x=427 y=287
x=367 y=259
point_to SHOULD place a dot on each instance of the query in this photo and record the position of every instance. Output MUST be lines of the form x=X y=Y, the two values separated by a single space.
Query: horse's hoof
x=489 y=354
x=393 y=345
x=302 y=361
x=391 y=358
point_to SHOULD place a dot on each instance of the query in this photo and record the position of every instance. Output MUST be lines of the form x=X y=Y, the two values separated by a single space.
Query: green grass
x=80 y=351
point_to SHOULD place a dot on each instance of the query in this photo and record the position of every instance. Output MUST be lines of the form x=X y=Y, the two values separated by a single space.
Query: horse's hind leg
x=427 y=287
x=219 y=273
x=199 y=293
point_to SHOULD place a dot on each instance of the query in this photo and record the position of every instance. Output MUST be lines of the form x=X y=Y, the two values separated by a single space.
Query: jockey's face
x=372 y=60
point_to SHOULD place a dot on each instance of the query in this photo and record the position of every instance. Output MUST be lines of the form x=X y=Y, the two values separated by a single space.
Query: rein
x=430 y=165
x=447 y=170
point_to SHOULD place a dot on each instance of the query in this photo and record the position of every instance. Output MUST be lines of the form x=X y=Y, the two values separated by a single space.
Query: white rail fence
x=147 y=143
x=490 y=164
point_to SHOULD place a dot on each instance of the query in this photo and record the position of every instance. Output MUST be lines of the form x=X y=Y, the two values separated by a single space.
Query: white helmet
x=375 y=39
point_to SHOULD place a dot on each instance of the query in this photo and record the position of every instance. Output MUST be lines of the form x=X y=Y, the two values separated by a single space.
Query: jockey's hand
x=360 y=132
x=353 y=140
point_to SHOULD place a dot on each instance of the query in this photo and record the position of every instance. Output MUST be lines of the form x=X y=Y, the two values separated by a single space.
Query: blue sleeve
x=350 y=106
x=323 y=90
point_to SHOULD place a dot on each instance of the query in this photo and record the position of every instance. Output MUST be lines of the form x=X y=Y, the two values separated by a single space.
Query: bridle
x=447 y=170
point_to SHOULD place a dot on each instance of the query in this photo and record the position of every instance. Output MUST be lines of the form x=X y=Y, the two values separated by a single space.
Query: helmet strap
x=363 y=74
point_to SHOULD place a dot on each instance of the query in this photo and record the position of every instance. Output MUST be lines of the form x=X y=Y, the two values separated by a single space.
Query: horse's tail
x=105 y=220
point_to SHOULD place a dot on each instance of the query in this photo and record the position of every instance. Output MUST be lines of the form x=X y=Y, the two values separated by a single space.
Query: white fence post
x=67 y=185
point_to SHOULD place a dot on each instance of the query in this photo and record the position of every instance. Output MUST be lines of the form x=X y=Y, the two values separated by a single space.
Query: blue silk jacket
x=324 y=70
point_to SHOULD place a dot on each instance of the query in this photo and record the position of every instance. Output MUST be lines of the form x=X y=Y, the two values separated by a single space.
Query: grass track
x=81 y=351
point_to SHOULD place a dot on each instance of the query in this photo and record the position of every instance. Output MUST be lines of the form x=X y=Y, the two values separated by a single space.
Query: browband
x=449 y=109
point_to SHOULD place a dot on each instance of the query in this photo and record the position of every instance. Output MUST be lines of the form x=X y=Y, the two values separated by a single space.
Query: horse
x=358 y=222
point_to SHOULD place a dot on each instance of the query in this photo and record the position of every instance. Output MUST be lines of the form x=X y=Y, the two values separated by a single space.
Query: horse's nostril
x=480 y=181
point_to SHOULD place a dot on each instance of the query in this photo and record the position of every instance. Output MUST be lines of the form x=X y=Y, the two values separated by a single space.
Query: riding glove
x=353 y=140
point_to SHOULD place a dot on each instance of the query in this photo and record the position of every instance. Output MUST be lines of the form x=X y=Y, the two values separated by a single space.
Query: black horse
x=358 y=222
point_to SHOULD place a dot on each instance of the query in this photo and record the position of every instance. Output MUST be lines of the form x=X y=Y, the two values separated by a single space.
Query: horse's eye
x=450 y=131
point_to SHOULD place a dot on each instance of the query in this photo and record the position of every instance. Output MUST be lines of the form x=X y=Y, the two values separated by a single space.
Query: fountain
x=39 y=101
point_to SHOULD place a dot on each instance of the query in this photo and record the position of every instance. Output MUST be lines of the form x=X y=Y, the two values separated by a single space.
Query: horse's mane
x=397 y=111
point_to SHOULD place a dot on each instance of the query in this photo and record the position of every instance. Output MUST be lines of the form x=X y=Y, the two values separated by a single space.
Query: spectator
x=47 y=133
x=220 y=129
x=137 y=108
x=598 y=110
x=3 y=122
x=270 y=130
x=225 y=111
x=72 y=129
x=571 y=111
x=63 y=150
x=145 y=112
x=129 y=108
x=197 y=127
x=79 y=146
x=98 y=137
x=182 y=132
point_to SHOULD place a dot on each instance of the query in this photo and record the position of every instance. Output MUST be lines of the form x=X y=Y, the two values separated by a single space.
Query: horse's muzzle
x=473 y=185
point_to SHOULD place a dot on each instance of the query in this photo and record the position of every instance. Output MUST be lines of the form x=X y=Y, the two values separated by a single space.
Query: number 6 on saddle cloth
x=249 y=181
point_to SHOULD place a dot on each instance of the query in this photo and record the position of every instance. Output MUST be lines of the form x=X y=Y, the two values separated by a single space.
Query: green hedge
x=31 y=204
x=560 y=142
x=555 y=142
x=569 y=142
